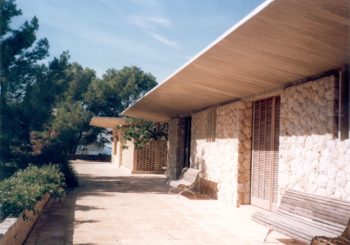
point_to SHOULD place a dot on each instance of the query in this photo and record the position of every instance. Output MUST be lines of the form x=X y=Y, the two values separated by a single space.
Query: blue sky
x=157 y=35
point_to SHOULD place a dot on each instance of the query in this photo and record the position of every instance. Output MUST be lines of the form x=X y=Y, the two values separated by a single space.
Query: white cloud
x=164 y=40
x=149 y=23
x=151 y=26
x=159 y=20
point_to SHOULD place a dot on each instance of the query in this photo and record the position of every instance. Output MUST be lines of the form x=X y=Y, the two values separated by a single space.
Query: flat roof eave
x=279 y=42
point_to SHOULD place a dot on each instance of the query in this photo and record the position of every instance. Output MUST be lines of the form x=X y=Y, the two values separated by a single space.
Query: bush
x=26 y=187
x=54 y=152
x=70 y=175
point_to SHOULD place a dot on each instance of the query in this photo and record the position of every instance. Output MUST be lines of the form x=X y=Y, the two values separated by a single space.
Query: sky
x=158 y=36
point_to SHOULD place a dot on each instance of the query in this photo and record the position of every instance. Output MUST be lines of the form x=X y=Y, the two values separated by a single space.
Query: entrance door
x=266 y=125
x=187 y=142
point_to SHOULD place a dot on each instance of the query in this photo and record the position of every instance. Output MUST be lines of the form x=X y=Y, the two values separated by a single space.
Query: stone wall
x=14 y=231
x=312 y=158
x=226 y=161
x=244 y=152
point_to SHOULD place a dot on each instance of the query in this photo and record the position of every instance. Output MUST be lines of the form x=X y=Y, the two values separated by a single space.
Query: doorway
x=187 y=142
x=265 y=150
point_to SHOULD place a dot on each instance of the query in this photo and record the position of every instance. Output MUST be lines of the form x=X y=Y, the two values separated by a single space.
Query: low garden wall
x=14 y=231
x=24 y=195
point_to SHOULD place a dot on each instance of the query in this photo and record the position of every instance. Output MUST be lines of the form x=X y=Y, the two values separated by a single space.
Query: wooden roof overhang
x=108 y=122
x=280 y=42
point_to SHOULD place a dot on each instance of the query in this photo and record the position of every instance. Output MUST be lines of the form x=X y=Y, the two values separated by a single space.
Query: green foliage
x=21 y=54
x=70 y=174
x=117 y=90
x=67 y=121
x=55 y=152
x=70 y=122
x=41 y=98
x=45 y=109
x=26 y=187
x=8 y=10
x=141 y=132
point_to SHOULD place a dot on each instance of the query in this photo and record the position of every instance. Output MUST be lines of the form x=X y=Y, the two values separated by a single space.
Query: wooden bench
x=186 y=182
x=303 y=216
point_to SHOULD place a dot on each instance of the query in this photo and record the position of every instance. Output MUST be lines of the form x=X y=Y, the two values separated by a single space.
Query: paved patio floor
x=114 y=207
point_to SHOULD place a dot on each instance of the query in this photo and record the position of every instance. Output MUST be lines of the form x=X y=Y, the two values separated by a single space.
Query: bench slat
x=283 y=228
x=316 y=214
x=314 y=209
x=312 y=227
x=319 y=203
x=319 y=210
x=320 y=198
x=289 y=197
x=303 y=216
x=293 y=228
x=334 y=228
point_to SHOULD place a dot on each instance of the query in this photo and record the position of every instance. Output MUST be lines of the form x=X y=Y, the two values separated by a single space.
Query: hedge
x=26 y=187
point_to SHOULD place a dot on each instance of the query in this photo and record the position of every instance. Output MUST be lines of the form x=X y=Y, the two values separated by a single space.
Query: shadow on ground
x=112 y=207
x=103 y=185
x=58 y=221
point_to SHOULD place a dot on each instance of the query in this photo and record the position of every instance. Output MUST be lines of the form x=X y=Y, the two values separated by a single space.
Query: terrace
x=113 y=207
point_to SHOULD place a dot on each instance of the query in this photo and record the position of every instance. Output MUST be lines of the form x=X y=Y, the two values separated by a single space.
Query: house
x=152 y=158
x=265 y=107
x=95 y=148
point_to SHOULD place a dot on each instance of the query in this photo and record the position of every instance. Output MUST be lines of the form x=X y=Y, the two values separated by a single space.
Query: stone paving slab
x=111 y=206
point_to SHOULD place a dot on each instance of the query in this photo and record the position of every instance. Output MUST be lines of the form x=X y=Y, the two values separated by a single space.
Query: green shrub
x=26 y=187
x=55 y=153
x=70 y=175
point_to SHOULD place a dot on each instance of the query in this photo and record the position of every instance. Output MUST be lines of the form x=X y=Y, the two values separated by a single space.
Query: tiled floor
x=114 y=207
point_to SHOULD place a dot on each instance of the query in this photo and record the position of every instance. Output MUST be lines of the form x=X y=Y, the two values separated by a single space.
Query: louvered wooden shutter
x=276 y=150
x=265 y=152
x=211 y=124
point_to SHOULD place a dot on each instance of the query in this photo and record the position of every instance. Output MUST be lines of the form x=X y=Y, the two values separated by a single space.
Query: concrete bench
x=303 y=216
x=186 y=182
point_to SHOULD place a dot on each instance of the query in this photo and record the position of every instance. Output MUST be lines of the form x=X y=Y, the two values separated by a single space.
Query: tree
x=117 y=90
x=41 y=98
x=45 y=109
x=71 y=121
x=68 y=122
x=21 y=53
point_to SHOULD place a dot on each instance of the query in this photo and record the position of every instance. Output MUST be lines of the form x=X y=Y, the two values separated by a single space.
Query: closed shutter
x=211 y=124
x=265 y=152
x=276 y=151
